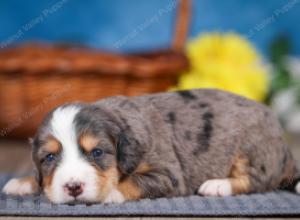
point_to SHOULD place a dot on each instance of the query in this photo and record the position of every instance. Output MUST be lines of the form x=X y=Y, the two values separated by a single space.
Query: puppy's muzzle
x=74 y=189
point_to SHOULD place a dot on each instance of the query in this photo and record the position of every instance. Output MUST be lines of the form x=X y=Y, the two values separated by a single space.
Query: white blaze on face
x=72 y=167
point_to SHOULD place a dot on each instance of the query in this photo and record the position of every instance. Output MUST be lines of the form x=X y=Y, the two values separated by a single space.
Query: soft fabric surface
x=269 y=204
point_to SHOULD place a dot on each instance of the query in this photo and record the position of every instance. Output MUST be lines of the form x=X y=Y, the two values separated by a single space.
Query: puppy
x=171 y=144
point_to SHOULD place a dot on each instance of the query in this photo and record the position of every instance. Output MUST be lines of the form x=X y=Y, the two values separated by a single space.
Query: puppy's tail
x=297 y=186
x=293 y=184
x=290 y=173
x=296 y=181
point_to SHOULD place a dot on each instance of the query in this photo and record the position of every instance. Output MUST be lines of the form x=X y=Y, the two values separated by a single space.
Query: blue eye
x=97 y=152
x=50 y=157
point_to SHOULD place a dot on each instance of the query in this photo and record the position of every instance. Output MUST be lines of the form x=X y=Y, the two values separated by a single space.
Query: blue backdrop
x=129 y=25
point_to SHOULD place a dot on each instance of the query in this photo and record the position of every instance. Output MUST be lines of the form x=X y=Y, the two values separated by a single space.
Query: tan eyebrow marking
x=52 y=145
x=88 y=142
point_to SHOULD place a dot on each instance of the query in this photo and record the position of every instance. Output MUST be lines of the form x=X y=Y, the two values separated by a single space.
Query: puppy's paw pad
x=216 y=187
x=18 y=187
x=114 y=196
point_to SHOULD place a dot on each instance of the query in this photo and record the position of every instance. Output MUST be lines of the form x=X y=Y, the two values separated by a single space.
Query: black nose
x=74 y=188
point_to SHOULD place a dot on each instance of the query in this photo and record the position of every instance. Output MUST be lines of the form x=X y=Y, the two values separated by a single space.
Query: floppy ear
x=129 y=153
x=37 y=170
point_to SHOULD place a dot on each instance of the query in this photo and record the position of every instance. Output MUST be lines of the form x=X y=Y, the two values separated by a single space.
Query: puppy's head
x=80 y=152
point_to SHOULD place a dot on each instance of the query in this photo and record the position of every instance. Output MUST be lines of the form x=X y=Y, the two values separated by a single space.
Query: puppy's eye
x=97 y=152
x=49 y=158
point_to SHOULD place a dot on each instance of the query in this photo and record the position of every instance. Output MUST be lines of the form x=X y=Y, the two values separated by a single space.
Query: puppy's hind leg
x=238 y=181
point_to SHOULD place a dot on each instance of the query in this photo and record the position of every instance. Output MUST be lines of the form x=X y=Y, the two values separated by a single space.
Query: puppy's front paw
x=216 y=187
x=115 y=196
x=22 y=186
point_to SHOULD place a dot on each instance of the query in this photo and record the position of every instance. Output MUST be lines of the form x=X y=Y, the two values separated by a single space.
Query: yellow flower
x=227 y=62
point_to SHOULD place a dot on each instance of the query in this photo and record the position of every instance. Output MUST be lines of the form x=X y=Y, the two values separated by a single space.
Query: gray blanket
x=278 y=203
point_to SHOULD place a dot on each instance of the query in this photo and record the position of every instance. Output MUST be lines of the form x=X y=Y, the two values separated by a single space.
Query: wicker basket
x=37 y=77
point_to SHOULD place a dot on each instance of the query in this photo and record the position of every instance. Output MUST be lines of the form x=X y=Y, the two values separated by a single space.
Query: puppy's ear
x=129 y=153
x=37 y=170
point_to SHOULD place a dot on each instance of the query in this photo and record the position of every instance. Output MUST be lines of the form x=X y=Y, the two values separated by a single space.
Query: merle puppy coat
x=171 y=144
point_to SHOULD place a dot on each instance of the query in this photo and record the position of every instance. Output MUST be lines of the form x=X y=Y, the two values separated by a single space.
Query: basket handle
x=181 y=25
